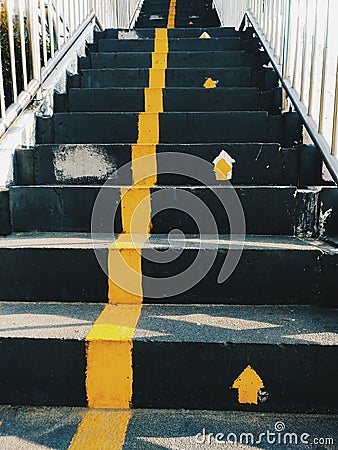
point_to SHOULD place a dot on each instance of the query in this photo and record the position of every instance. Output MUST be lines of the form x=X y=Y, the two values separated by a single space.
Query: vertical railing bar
x=286 y=21
x=23 y=44
x=34 y=38
x=295 y=67
x=2 y=90
x=50 y=28
x=282 y=34
x=334 y=146
x=43 y=31
x=9 y=4
x=304 y=51
x=57 y=24
x=324 y=69
x=313 y=58
x=64 y=21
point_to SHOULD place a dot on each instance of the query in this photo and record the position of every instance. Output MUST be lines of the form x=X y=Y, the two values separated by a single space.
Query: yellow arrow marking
x=210 y=83
x=248 y=384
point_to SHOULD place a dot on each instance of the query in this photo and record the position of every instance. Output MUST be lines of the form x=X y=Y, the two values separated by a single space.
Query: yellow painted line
x=248 y=384
x=125 y=265
x=109 y=380
x=109 y=375
x=153 y=98
x=172 y=14
x=101 y=430
x=144 y=164
x=157 y=78
x=149 y=130
x=135 y=210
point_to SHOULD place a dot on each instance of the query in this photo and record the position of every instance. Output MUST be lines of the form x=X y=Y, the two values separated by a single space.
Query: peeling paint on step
x=81 y=162
x=323 y=216
x=132 y=34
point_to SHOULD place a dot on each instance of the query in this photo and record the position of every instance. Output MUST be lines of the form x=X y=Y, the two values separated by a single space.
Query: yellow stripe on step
x=125 y=265
x=172 y=14
x=101 y=430
x=109 y=377
x=109 y=357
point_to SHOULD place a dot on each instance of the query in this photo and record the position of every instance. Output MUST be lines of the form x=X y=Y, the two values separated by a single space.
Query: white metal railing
x=301 y=38
x=36 y=34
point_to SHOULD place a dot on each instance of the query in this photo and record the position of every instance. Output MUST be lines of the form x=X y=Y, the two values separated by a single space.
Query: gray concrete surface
x=54 y=428
x=179 y=323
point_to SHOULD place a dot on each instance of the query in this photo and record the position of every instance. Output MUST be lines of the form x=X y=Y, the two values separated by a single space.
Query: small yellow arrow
x=248 y=384
x=210 y=83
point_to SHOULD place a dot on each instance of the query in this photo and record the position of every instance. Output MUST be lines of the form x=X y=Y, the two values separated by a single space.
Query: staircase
x=250 y=326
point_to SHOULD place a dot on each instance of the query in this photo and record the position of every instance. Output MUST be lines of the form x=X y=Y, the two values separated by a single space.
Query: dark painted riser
x=179 y=23
x=217 y=59
x=175 y=45
x=183 y=128
x=267 y=211
x=185 y=11
x=174 y=374
x=281 y=271
x=5 y=220
x=175 y=33
x=184 y=77
x=266 y=164
x=189 y=99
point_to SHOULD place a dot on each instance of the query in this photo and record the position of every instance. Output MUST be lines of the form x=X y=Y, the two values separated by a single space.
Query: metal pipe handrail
x=39 y=35
x=304 y=52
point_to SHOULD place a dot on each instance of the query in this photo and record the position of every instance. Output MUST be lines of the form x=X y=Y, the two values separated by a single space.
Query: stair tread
x=161 y=428
x=103 y=240
x=259 y=324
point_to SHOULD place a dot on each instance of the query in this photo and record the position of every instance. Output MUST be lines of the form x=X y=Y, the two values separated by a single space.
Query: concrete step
x=192 y=210
x=174 y=33
x=266 y=164
x=63 y=267
x=180 y=22
x=174 y=99
x=183 y=357
x=185 y=77
x=174 y=127
x=175 y=45
x=170 y=429
x=216 y=59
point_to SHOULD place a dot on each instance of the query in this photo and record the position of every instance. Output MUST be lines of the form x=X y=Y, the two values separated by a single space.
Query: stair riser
x=52 y=274
x=206 y=373
x=68 y=274
x=235 y=127
x=43 y=372
x=54 y=374
x=5 y=219
x=175 y=60
x=267 y=210
x=226 y=44
x=229 y=77
x=132 y=100
x=176 y=33
x=255 y=164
